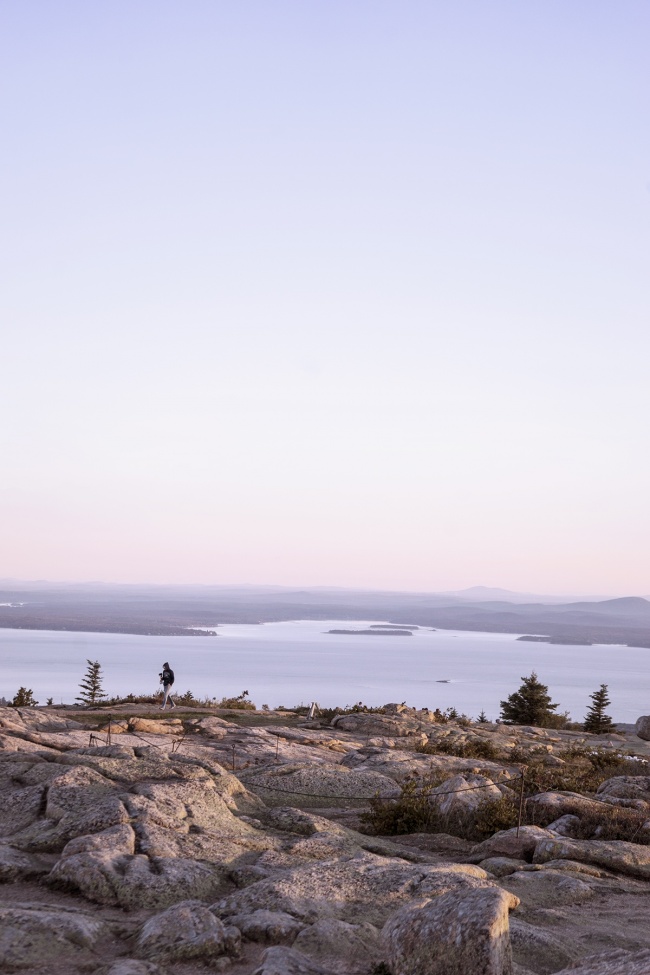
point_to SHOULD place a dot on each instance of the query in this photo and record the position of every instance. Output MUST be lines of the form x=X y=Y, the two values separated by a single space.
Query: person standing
x=167 y=680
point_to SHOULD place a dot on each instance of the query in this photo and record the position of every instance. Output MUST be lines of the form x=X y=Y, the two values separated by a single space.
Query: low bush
x=476 y=748
x=412 y=812
x=326 y=714
x=613 y=823
x=241 y=703
x=584 y=770
x=415 y=811
x=133 y=699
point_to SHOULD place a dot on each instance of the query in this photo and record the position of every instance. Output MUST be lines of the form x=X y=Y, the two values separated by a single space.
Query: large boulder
x=269 y=927
x=617 y=855
x=632 y=787
x=116 y=840
x=556 y=804
x=137 y=881
x=463 y=794
x=79 y=801
x=519 y=844
x=341 y=947
x=642 y=727
x=22 y=720
x=32 y=935
x=394 y=725
x=182 y=805
x=149 y=726
x=454 y=934
x=358 y=888
x=548 y=888
x=185 y=932
x=501 y=866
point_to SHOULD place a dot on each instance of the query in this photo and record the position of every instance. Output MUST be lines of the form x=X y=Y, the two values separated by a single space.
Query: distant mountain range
x=170 y=610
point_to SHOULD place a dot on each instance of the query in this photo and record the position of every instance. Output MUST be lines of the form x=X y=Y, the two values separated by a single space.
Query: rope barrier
x=318 y=795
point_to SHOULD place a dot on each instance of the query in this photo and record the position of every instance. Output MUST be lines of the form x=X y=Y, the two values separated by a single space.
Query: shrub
x=492 y=817
x=612 y=823
x=327 y=714
x=134 y=699
x=411 y=812
x=241 y=703
x=584 y=770
x=414 y=811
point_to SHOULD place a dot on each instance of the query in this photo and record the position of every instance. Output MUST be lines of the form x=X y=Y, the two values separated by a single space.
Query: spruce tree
x=24 y=698
x=531 y=704
x=91 y=685
x=596 y=721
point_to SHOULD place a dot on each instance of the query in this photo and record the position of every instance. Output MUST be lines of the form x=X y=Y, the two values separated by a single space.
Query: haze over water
x=296 y=662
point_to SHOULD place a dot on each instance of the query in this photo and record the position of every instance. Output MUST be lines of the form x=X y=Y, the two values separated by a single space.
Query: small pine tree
x=91 y=685
x=596 y=721
x=482 y=718
x=531 y=704
x=24 y=698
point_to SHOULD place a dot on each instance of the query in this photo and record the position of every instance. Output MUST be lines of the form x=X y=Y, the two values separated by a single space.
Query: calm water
x=297 y=662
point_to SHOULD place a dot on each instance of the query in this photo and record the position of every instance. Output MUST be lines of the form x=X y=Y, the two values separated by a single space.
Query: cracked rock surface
x=230 y=842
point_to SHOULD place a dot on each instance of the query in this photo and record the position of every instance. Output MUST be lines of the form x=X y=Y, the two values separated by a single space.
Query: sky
x=337 y=292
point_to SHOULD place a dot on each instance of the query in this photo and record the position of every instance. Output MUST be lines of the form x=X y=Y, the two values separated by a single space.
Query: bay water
x=297 y=662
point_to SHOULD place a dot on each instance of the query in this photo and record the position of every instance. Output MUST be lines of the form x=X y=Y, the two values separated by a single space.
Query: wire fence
x=433 y=793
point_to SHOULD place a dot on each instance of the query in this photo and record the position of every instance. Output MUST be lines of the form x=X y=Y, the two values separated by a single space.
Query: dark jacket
x=167 y=676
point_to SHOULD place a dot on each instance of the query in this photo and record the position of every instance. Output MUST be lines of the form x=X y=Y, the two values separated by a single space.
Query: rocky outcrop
x=195 y=854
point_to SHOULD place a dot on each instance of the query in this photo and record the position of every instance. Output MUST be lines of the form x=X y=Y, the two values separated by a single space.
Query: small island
x=557 y=640
x=374 y=632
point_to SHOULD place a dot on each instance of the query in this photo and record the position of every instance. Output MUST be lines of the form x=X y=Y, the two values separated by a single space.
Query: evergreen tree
x=596 y=721
x=482 y=718
x=24 y=698
x=531 y=704
x=91 y=685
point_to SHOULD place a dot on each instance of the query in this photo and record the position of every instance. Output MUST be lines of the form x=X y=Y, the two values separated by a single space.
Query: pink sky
x=326 y=294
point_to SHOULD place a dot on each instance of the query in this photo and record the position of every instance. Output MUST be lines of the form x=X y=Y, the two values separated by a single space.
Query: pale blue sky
x=349 y=293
